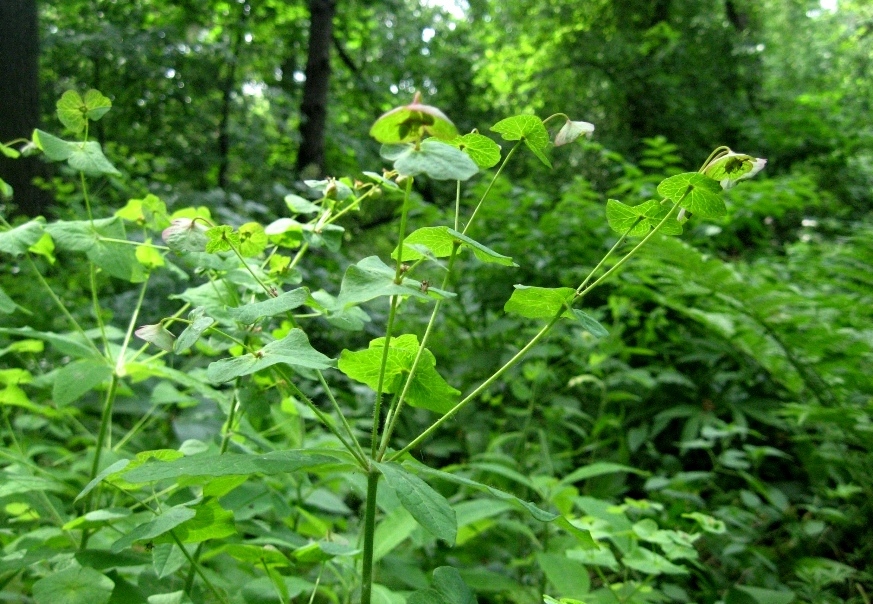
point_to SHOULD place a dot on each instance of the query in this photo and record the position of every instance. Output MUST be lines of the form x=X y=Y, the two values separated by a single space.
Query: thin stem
x=119 y=363
x=322 y=417
x=483 y=386
x=458 y=205
x=719 y=151
x=135 y=243
x=395 y=410
x=369 y=532
x=85 y=196
x=392 y=313
x=251 y=272
x=61 y=306
x=380 y=384
x=97 y=314
x=299 y=255
x=196 y=567
x=491 y=184
x=339 y=412
x=533 y=341
x=631 y=253
x=606 y=257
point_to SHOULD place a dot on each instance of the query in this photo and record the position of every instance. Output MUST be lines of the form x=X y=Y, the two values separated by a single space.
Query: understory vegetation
x=505 y=363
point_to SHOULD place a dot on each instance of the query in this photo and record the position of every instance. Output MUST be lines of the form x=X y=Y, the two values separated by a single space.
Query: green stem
x=392 y=313
x=85 y=196
x=270 y=292
x=491 y=184
x=135 y=243
x=97 y=314
x=341 y=415
x=61 y=306
x=369 y=533
x=299 y=255
x=395 y=410
x=120 y=363
x=527 y=347
x=196 y=568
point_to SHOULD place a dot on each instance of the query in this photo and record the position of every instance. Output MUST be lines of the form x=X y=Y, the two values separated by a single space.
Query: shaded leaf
x=74 y=585
x=250 y=313
x=77 y=378
x=439 y=160
x=430 y=509
x=164 y=522
x=200 y=322
x=18 y=240
x=230 y=464
x=440 y=241
x=371 y=278
x=293 y=349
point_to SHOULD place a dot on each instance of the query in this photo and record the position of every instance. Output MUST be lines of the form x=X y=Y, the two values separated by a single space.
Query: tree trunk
x=19 y=101
x=313 y=109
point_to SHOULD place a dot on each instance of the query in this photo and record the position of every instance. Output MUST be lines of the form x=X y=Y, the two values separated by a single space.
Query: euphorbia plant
x=250 y=311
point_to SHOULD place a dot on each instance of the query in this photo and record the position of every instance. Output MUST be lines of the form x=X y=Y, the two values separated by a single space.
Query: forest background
x=716 y=440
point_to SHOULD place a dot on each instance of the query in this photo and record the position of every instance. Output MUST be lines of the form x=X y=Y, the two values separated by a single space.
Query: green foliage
x=712 y=445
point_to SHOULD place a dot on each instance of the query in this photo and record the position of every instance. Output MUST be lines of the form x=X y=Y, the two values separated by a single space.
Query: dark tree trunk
x=313 y=109
x=19 y=101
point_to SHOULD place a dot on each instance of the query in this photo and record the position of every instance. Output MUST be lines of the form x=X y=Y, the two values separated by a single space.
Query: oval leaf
x=430 y=509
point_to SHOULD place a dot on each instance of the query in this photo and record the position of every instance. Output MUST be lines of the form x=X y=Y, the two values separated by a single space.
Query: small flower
x=571 y=130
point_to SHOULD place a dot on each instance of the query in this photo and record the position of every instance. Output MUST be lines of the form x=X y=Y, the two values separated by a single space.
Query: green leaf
x=428 y=389
x=430 y=509
x=88 y=158
x=199 y=323
x=149 y=211
x=54 y=148
x=73 y=345
x=439 y=160
x=742 y=594
x=371 y=278
x=117 y=259
x=412 y=122
x=599 y=468
x=298 y=205
x=440 y=241
x=71 y=111
x=622 y=217
x=164 y=522
x=7 y=304
x=528 y=128
x=175 y=597
x=108 y=471
x=250 y=313
x=221 y=238
x=481 y=149
x=156 y=334
x=186 y=235
x=448 y=582
x=148 y=255
x=74 y=585
x=589 y=323
x=350 y=318
x=327 y=235
x=252 y=240
x=642 y=218
x=707 y=523
x=96 y=105
x=17 y=241
x=650 y=563
x=734 y=167
x=540 y=302
x=695 y=192
x=568 y=577
x=230 y=464
x=571 y=130
x=5 y=189
x=9 y=152
x=77 y=378
x=210 y=521
x=294 y=349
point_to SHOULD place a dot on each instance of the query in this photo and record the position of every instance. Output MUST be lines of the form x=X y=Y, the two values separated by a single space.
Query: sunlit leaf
x=481 y=149
x=528 y=128
x=412 y=122
x=695 y=192
x=439 y=160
